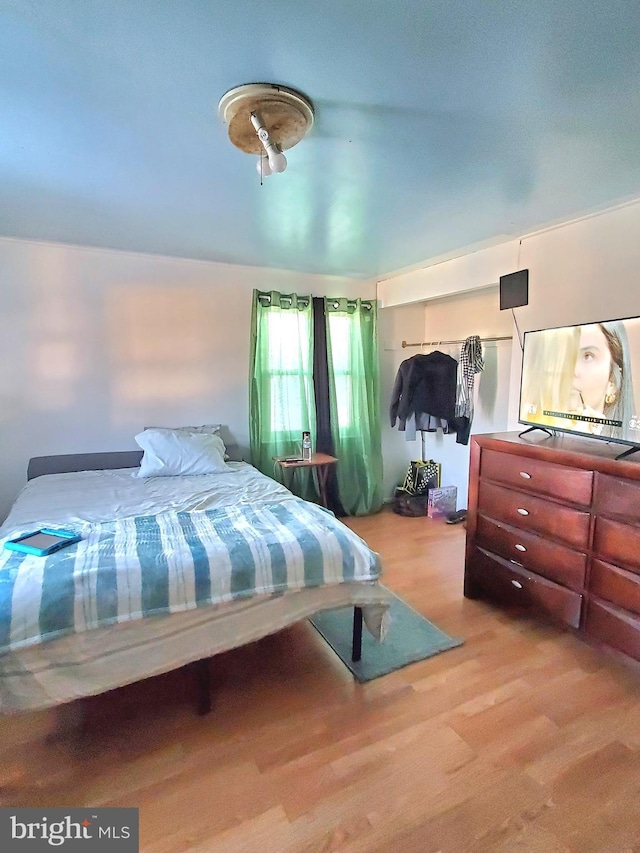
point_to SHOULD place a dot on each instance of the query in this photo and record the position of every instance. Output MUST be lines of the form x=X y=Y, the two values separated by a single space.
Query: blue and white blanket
x=174 y=561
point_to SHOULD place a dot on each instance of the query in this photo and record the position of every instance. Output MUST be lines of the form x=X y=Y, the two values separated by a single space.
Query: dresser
x=553 y=527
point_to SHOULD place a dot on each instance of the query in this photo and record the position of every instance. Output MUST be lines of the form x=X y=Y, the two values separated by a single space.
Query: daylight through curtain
x=354 y=394
x=281 y=396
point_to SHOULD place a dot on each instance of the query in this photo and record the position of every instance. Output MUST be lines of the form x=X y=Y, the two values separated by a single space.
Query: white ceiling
x=439 y=124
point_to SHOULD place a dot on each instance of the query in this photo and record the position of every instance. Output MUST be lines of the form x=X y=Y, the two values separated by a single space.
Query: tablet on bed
x=43 y=542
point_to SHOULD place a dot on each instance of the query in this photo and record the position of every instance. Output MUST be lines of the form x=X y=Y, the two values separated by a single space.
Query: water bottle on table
x=306 y=446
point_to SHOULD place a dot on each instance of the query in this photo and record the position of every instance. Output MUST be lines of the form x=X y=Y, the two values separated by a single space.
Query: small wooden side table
x=321 y=463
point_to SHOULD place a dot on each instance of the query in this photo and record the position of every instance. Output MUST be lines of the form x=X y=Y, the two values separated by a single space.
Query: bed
x=170 y=570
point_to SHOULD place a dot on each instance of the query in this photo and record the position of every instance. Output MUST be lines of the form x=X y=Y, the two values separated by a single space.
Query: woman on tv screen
x=579 y=378
x=602 y=386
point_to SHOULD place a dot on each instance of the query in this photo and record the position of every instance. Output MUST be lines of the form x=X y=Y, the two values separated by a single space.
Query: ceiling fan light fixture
x=262 y=166
x=266 y=119
x=277 y=160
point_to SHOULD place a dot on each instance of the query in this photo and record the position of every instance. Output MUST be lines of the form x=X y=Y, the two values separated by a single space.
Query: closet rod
x=461 y=341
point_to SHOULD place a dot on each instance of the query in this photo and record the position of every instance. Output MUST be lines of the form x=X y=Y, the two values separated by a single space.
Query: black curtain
x=323 y=439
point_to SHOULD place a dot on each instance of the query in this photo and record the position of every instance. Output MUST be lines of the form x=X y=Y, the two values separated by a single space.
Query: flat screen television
x=580 y=379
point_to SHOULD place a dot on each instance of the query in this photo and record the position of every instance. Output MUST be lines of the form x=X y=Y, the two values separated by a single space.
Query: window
x=283 y=394
x=290 y=372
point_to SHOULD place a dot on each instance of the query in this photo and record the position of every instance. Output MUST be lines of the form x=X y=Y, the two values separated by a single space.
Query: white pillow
x=209 y=429
x=169 y=453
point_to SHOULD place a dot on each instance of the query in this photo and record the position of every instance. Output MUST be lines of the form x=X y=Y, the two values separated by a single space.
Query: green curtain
x=354 y=395
x=281 y=396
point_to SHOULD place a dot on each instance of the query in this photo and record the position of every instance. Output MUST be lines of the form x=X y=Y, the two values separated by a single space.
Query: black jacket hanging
x=425 y=384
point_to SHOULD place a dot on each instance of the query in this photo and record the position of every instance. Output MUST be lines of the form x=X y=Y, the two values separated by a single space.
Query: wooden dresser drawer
x=534 y=475
x=554 y=525
x=617 y=542
x=515 y=585
x=530 y=513
x=613 y=627
x=617 y=497
x=615 y=585
x=533 y=552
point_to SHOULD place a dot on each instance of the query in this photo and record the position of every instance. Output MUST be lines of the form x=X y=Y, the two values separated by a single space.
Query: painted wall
x=474 y=270
x=580 y=271
x=97 y=344
x=584 y=271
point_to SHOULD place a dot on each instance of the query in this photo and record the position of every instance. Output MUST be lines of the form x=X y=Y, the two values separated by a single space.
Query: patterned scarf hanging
x=471 y=362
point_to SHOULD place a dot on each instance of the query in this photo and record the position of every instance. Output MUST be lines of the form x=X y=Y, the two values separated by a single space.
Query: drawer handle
x=523 y=511
x=517 y=584
x=520 y=548
x=525 y=475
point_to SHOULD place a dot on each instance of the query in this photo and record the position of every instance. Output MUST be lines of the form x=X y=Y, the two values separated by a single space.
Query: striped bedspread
x=139 y=567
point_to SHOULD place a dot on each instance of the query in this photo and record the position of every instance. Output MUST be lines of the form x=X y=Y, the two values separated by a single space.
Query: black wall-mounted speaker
x=514 y=289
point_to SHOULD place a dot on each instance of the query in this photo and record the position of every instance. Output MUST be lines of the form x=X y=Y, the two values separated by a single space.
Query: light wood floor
x=523 y=739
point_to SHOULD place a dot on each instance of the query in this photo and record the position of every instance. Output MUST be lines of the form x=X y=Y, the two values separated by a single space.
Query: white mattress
x=96 y=496
x=100 y=660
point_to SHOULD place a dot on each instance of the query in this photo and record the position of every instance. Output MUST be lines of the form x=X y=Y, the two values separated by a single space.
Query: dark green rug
x=410 y=638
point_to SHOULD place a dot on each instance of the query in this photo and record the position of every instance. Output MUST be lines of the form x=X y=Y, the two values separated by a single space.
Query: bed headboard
x=66 y=463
